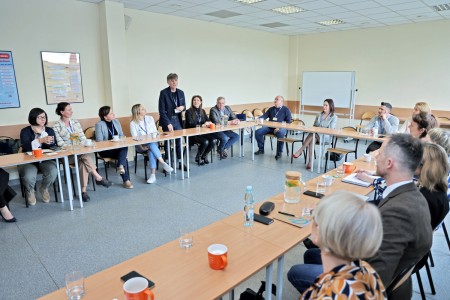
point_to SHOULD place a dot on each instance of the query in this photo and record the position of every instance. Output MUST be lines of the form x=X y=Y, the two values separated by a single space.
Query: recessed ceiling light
x=441 y=7
x=274 y=25
x=223 y=14
x=286 y=10
x=331 y=22
x=249 y=1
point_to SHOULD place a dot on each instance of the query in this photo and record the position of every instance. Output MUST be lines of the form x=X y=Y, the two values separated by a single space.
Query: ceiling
x=355 y=14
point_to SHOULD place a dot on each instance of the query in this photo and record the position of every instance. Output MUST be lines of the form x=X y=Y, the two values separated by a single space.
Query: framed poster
x=9 y=96
x=62 y=77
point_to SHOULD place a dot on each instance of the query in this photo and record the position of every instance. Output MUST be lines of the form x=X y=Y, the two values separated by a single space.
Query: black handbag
x=249 y=294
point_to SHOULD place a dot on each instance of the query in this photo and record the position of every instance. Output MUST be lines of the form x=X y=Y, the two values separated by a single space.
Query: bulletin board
x=9 y=95
x=62 y=77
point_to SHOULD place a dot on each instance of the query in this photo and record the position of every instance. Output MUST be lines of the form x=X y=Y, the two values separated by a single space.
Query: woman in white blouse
x=420 y=107
x=142 y=124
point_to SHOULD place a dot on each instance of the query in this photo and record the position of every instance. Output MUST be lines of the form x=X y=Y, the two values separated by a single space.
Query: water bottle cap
x=249 y=188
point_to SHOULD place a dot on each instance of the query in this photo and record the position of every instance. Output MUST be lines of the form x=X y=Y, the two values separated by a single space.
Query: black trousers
x=205 y=142
x=6 y=192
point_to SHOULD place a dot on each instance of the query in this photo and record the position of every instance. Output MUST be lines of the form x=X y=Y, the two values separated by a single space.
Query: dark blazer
x=407 y=235
x=27 y=135
x=166 y=106
x=438 y=205
x=192 y=119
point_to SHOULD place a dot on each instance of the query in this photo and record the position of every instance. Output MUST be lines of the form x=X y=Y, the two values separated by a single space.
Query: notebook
x=353 y=180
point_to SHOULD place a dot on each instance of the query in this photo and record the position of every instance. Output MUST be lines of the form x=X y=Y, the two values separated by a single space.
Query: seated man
x=226 y=138
x=407 y=233
x=277 y=113
x=384 y=123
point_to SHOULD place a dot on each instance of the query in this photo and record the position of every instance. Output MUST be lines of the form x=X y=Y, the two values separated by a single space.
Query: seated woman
x=104 y=131
x=37 y=135
x=196 y=115
x=432 y=182
x=346 y=229
x=420 y=125
x=143 y=125
x=5 y=197
x=64 y=128
x=441 y=137
x=420 y=107
x=326 y=119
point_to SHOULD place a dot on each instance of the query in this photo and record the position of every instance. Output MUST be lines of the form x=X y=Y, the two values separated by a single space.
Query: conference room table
x=185 y=273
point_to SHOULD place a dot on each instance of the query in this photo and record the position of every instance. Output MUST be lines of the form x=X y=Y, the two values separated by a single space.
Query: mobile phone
x=134 y=274
x=262 y=219
x=314 y=194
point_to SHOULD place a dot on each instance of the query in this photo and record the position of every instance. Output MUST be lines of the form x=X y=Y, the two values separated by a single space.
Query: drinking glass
x=186 y=238
x=74 y=285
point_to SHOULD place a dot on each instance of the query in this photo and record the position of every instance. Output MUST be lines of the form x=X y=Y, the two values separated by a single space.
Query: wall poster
x=62 y=77
x=9 y=96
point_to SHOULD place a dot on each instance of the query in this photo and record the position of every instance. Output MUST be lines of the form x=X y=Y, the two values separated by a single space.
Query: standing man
x=277 y=113
x=171 y=105
x=227 y=138
x=384 y=123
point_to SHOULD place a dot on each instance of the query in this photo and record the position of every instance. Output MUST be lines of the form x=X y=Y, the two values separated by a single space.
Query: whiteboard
x=318 y=86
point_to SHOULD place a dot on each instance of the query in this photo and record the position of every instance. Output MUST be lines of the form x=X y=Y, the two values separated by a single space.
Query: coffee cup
x=37 y=152
x=88 y=142
x=367 y=157
x=116 y=138
x=217 y=256
x=327 y=179
x=212 y=126
x=348 y=167
x=137 y=289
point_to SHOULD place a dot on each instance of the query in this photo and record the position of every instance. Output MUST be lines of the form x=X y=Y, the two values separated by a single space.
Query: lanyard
x=70 y=128
x=145 y=126
x=113 y=129
x=199 y=117
x=174 y=98
x=277 y=112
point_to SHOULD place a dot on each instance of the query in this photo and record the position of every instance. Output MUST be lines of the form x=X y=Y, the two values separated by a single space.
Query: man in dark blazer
x=407 y=233
x=171 y=104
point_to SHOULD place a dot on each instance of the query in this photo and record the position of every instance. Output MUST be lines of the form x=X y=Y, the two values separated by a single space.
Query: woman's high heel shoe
x=308 y=167
x=296 y=156
x=13 y=220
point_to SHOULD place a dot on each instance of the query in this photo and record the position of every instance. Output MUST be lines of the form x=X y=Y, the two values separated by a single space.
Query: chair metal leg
x=446 y=235
x=55 y=190
x=430 y=279
x=106 y=169
x=93 y=182
x=135 y=162
x=419 y=281
x=430 y=257
x=73 y=184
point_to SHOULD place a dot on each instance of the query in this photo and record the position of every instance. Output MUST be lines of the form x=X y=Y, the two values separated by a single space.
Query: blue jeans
x=121 y=156
x=261 y=132
x=153 y=154
x=227 y=139
x=303 y=276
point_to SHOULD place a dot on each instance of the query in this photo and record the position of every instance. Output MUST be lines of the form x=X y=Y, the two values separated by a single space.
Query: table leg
x=280 y=266
x=241 y=142
x=168 y=156
x=319 y=160
x=253 y=128
x=312 y=149
x=174 y=153
x=77 y=173
x=182 y=157
x=59 y=181
x=69 y=182
x=187 y=157
x=231 y=295
x=269 y=269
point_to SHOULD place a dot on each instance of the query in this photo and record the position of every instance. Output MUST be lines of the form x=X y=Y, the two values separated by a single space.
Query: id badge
x=274 y=119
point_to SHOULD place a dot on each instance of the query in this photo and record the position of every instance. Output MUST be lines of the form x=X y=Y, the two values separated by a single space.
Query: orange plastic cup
x=212 y=126
x=348 y=167
x=37 y=153
x=137 y=289
x=217 y=256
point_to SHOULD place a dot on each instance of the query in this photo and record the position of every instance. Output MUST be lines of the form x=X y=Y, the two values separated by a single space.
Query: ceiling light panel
x=442 y=7
x=331 y=22
x=286 y=10
x=249 y=1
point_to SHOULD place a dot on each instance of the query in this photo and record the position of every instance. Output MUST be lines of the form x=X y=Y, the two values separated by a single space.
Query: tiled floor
x=117 y=224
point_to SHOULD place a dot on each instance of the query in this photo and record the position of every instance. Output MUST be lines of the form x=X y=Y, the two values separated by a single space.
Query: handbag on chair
x=249 y=294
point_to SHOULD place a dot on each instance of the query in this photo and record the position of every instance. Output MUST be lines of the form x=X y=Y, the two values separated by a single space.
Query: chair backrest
x=248 y=113
x=442 y=119
x=9 y=145
x=257 y=112
x=399 y=279
x=90 y=132
x=265 y=109
x=367 y=116
x=349 y=128
x=298 y=122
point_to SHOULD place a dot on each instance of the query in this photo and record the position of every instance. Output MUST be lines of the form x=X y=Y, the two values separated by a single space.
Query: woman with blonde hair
x=141 y=124
x=420 y=107
x=347 y=229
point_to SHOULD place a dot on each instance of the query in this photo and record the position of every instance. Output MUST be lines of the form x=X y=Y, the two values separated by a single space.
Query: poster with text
x=62 y=77
x=9 y=96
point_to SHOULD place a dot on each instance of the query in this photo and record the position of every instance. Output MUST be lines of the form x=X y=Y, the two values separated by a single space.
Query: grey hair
x=441 y=137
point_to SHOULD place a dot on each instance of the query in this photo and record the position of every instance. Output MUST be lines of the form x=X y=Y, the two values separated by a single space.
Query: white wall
x=210 y=59
x=402 y=64
x=30 y=27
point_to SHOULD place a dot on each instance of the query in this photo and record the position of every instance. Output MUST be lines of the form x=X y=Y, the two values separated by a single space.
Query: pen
x=286 y=214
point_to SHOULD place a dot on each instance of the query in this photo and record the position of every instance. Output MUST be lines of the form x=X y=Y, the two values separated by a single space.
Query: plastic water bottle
x=249 y=207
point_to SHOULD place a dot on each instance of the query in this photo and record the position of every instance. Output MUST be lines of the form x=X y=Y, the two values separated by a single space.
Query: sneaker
x=85 y=197
x=45 y=194
x=104 y=182
x=167 y=168
x=128 y=185
x=121 y=170
x=31 y=197
x=152 y=179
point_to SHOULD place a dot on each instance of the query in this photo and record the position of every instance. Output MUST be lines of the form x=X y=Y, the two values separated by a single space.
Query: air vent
x=223 y=14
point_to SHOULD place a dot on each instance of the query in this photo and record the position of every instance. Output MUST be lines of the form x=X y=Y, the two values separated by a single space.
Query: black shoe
x=259 y=152
x=13 y=220
x=184 y=167
x=197 y=158
x=222 y=155
x=205 y=160
x=278 y=156
x=85 y=197
x=309 y=244
x=201 y=162
x=104 y=182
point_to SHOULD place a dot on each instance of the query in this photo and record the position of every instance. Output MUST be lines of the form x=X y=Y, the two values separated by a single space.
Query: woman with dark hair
x=66 y=127
x=326 y=119
x=37 y=135
x=421 y=124
x=108 y=127
x=196 y=115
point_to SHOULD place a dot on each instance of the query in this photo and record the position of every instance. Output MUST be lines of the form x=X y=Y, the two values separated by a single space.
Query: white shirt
x=392 y=187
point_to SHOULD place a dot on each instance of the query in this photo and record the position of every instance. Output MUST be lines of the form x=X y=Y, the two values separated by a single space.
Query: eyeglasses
x=42 y=117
